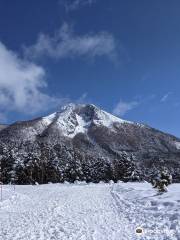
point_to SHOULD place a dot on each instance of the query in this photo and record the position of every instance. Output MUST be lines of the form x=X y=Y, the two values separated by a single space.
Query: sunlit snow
x=177 y=144
x=89 y=212
x=70 y=122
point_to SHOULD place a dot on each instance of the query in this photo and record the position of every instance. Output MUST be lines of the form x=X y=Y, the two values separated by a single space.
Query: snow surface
x=177 y=144
x=107 y=119
x=82 y=126
x=49 y=119
x=89 y=212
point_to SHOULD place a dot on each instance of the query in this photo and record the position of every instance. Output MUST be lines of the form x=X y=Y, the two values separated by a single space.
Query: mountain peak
x=68 y=106
x=84 y=142
x=78 y=106
x=77 y=118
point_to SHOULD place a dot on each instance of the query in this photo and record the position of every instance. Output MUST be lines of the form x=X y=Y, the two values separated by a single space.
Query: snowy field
x=89 y=212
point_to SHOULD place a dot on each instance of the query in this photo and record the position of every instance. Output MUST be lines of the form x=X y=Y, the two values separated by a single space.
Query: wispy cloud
x=165 y=97
x=123 y=107
x=83 y=98
x=72 y=5
x=66 y=44
x=22 y=85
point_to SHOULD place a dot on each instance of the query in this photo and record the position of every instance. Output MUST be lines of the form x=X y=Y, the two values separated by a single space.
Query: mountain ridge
x=83 y=142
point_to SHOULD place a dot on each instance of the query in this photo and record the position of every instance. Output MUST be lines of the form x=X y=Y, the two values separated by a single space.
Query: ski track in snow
x=157 y=214
x=89 y=212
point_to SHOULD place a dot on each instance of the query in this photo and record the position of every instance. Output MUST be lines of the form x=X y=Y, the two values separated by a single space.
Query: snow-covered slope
x=89 y=212
x=74 y=119
x=81 y=141
x=177 y=144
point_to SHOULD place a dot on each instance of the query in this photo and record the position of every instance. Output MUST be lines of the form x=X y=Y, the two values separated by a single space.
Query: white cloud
x=71 y=5
x=66 y=44
x=165 y=97
x=83 y=98
x=21 y=85
x=123 y=107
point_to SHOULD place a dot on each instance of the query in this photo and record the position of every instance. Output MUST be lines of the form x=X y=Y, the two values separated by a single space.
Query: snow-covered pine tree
x=162 y=181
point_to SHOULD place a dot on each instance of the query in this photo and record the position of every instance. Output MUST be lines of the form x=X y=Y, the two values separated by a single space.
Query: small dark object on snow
x=139 y=231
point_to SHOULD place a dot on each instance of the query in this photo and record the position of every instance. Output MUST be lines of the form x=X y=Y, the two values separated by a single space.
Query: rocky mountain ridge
x=83 y=142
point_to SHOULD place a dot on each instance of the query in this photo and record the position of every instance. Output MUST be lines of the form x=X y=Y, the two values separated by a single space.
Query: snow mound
x=12 y=200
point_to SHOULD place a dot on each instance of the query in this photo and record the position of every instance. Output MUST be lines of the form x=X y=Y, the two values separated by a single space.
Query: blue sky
x=121 y=55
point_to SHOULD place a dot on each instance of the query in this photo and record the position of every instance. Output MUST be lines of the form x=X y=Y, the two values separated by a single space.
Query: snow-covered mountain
x=74 y=119
x=86 y=143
